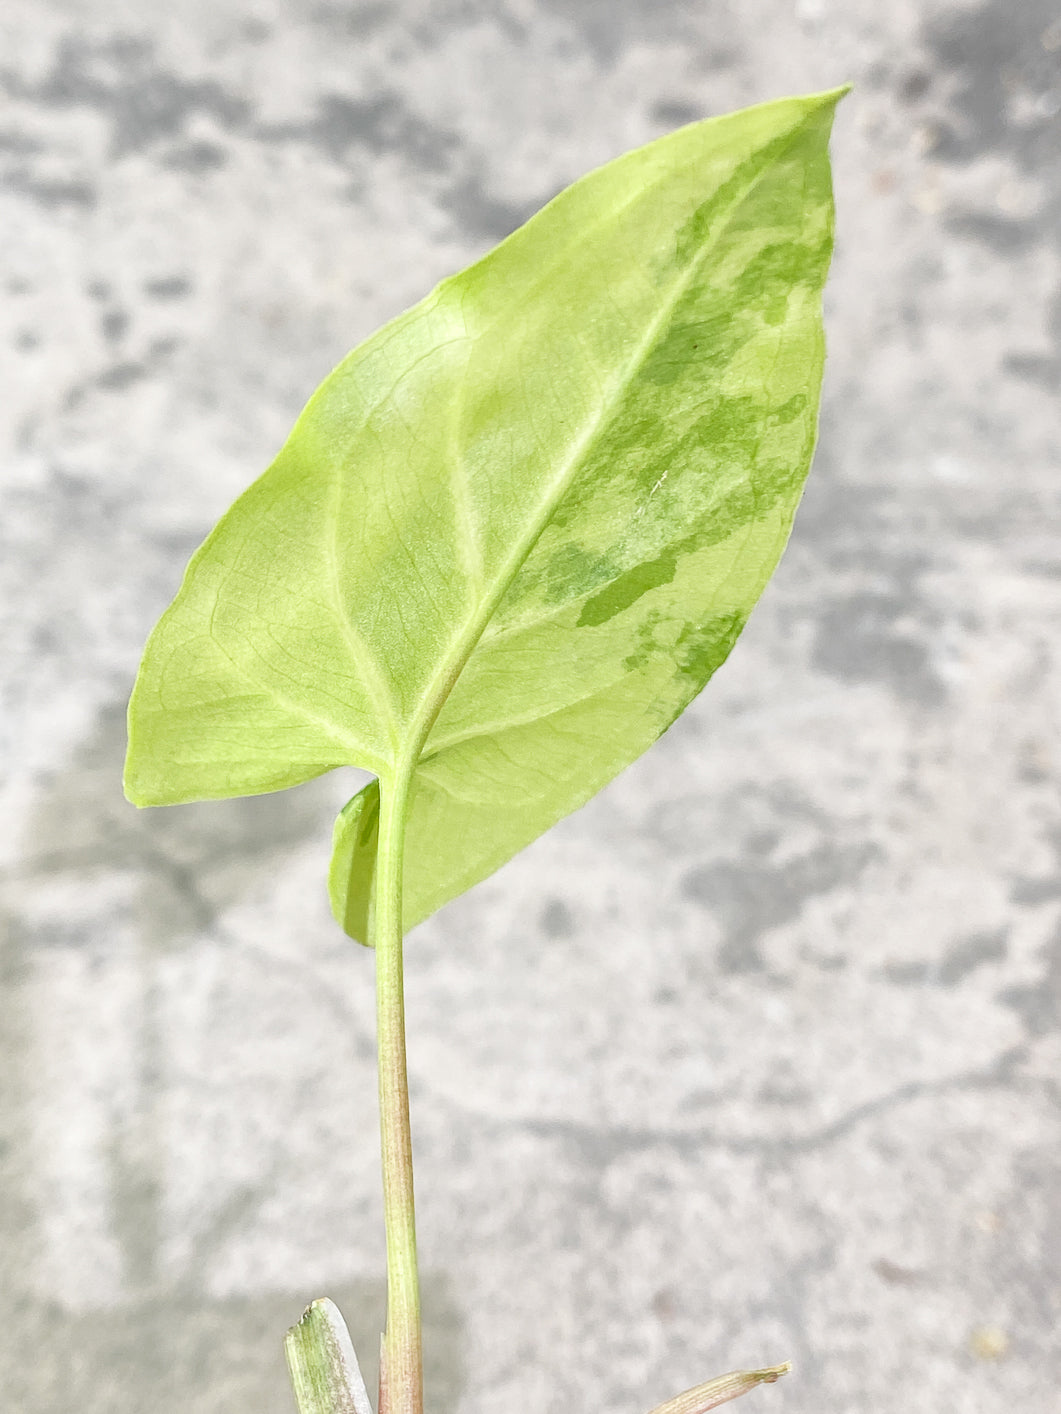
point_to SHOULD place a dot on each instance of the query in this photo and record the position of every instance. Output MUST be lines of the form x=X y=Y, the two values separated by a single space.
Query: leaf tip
x=720 y=1391
x=773 y=1374
x=134 y=773
x=323 y=1366
x=131 y=787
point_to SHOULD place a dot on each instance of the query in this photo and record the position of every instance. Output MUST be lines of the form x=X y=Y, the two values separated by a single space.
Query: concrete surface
x=756 y=1057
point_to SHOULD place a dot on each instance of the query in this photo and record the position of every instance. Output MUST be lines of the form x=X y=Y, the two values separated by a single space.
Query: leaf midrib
x=452 y=665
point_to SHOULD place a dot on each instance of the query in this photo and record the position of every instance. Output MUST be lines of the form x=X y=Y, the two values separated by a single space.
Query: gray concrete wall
x=755 y=1057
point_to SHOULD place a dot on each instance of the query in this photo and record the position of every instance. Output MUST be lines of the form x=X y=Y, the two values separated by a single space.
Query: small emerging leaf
x=324 y=1369
x=721 y=1390
x=515 y=532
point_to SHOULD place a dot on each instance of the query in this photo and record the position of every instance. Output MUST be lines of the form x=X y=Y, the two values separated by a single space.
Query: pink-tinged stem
x=401 y=1385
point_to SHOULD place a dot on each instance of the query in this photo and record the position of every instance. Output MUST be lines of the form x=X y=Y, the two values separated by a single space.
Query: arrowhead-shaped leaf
x=515 y=532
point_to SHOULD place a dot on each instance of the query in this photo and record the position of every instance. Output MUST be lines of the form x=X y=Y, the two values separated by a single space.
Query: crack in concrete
x=602 y=1145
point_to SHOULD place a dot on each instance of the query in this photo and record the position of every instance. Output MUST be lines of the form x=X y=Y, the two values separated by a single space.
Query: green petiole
x=401 y=1365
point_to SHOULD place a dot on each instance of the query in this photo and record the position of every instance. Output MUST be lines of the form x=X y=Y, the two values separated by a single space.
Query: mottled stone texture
x=756 y=1057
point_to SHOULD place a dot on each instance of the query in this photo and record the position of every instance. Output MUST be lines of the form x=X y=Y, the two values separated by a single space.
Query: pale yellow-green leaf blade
x=514 y=533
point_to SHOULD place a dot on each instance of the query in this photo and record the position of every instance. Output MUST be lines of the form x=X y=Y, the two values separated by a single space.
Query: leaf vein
x=371 y=675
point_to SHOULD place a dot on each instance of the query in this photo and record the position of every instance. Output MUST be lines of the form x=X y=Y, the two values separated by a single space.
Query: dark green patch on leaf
x=627 y=590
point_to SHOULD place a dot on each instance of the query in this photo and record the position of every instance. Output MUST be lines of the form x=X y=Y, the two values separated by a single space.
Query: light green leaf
x=514 y=533
x=324 y=1371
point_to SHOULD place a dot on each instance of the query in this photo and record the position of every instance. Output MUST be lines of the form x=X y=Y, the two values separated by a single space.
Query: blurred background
x=758 y=1055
